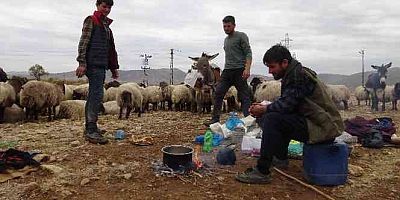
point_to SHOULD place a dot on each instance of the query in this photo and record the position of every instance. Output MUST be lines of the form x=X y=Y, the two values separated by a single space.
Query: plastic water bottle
x=208 y=139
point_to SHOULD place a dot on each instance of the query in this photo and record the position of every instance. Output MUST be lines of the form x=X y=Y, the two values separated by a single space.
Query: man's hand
x=81 y=70
x=246 y=74
x=258 y=109
x=114 y=73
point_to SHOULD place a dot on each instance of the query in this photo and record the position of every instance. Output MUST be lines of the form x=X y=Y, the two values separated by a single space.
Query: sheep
x=81 y=92
x=182 y=96
x=128 y=97
x=72 y=109
x=339 y=93
x=111 y=108
x=204 y=98
x=388 y=94
x=13 y=114
x=362 y=94
x=268 y=90
x=232 y=100
x=166 y=91
x=38 y=95
x=113 y=83
x=254 y=83
x=111 y=94
x=68 y=91
x=7 y=98
x=154 y=95
x=17 y=83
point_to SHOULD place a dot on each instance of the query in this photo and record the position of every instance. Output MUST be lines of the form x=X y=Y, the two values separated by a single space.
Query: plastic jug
x=208 y=140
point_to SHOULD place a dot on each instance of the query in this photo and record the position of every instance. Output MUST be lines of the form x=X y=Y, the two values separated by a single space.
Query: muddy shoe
x=209 y=122
x=253 y=176
x=95 y=138
x=280 y=164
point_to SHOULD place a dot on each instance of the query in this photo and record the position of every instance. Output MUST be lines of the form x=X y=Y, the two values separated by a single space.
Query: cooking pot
x=177 y=157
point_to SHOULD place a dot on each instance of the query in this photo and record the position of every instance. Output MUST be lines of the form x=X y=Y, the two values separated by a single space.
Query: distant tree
x=37 y=71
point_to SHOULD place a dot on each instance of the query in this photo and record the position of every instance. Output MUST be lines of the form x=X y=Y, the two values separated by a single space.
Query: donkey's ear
x=212 y=57
x=388 y=65
x=374 y=66
x=194 y=58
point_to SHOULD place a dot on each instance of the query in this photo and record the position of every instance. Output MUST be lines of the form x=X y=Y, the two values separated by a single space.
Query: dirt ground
x=121 y=170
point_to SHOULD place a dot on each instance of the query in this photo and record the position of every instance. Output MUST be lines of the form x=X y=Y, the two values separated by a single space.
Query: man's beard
x=277 y=76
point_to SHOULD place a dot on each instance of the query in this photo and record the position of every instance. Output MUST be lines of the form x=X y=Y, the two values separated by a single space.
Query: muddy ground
x=121 y=170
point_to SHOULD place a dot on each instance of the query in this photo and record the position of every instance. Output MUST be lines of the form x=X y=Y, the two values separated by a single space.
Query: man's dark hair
x=277 y=53
x=108 y=2
x=228 y=19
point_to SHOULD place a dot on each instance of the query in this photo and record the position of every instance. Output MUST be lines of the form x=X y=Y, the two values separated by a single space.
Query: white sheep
x=154 y=95
x=72 y=109
x=339 y=93
x=362 y=95
x=111 y=108
x=166 y=91
x=268 y=90
x=182 y=96
x=68 y=91
x=7 y=98
x=129 y=97
x=231 y=100
x=111 y=94
x=81 y=92
x=38 y=95
x=204 y=98
x=388 y=93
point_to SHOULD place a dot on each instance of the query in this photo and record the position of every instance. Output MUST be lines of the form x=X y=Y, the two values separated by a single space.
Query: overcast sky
x=327 y=35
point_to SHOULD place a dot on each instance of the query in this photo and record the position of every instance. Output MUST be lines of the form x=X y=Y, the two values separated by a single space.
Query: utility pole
x=171 y=66
x=145 y=67
x=362 y=52
x=286 y=44
x=286 y=41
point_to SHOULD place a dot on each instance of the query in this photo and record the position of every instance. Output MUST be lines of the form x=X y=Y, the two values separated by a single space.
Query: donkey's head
x=203 y=66
x=382 y=72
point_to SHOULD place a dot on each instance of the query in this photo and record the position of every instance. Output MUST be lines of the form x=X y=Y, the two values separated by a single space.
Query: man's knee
x=272 y=119
x=220 y=91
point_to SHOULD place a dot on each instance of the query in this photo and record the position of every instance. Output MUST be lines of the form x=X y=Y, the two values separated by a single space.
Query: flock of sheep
x=21 y=99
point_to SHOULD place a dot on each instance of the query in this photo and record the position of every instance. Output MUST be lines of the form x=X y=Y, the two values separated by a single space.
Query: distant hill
x=155 y=76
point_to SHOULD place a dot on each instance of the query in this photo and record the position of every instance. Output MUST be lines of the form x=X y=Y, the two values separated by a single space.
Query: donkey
x=205 y=87
x=377 y=82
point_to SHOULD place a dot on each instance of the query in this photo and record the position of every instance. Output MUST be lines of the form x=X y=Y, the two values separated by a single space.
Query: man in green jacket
x=304 y=112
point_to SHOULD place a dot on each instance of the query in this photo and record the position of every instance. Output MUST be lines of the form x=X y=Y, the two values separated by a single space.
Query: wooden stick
x=304 y=184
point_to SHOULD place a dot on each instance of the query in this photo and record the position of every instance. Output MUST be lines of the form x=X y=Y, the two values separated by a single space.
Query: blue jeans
x=96 y=76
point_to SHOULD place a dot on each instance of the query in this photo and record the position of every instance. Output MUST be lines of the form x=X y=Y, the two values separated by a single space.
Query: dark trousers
x=96 y=76
x=231 y=77
x=278 y=130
